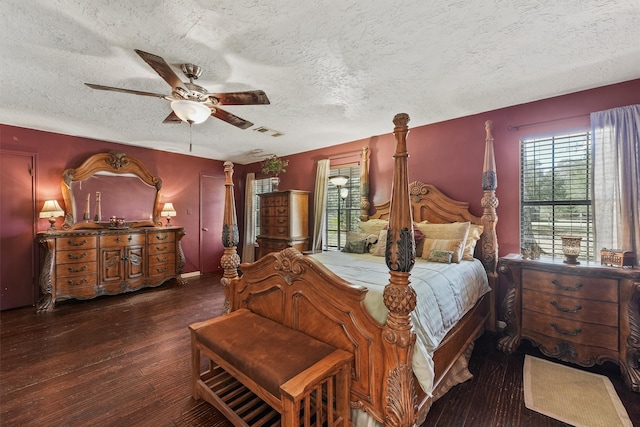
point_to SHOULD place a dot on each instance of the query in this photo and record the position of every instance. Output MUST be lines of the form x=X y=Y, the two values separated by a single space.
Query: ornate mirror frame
x=113 y=162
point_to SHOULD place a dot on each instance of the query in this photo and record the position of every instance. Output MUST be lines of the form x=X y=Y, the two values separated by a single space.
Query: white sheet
x=445 y=293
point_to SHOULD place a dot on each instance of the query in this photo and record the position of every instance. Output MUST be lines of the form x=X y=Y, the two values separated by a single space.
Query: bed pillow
x=449 y=231
x=475 y=231
x=440 y=256
x=378 y=248
x=454 y=245
x=373 y=226
x=356 y=243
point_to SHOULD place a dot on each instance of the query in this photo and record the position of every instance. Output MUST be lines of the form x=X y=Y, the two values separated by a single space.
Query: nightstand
x=584 y=314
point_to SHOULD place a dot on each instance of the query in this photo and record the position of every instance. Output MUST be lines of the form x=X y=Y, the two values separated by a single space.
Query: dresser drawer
x=79 y=255
x=162 y=258
x=280 y=211
x=578 y=309
x=78 y=286
x=76 y=269
x=273 y=245
x=596 y=288
x=274 y=221
x=163 y=269
x=275 y=231
x=162 y=237
x=79 y=242
x=119 y=240
x=274 y=200
x=589 y=334
x=162 y=248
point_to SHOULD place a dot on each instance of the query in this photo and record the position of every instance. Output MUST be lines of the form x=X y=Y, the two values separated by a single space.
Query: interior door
x=17 y=216
x=211 y=219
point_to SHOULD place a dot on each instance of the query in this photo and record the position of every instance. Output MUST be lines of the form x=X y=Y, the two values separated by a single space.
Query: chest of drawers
x=584 y=314
x=85 y=264
x=284 y=221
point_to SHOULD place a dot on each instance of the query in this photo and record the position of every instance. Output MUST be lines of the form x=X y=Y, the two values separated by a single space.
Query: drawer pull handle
x=161 y=259
x=161 y=237
x=161 y=248
x=575 y=332
x=575 y=309
x=566 y=288
x=118 y=239
x=130 y=238
x=77 y=244
x=161 y=270
x=78 y=270
x=81 y=282
x=82 y=255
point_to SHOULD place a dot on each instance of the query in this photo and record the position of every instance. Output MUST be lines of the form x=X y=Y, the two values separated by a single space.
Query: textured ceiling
x=334 y=71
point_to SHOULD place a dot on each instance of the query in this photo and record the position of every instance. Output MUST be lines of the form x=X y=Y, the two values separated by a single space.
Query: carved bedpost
x=364 y=185
x=230 y=259
x=489 y=220
x=399 y=396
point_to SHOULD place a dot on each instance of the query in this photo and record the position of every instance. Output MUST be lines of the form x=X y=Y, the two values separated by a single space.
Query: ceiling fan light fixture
x=190 y=111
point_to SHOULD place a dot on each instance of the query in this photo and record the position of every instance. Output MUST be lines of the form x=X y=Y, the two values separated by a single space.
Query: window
x=555 y=193
x=260 y=186
x=347 y=209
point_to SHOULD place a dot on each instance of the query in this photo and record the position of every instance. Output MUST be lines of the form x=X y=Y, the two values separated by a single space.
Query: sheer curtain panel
x=320 y=203
x=248 y=245
x=616 y=178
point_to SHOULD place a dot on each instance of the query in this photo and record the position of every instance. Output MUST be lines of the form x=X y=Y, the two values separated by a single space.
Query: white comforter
x=445 y=293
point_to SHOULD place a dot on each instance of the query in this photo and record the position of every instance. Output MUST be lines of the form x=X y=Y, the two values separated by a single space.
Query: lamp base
x=571 y=259
x=52 y=221
x=168 y=224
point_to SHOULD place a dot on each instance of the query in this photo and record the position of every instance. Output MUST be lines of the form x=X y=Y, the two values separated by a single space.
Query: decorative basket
x=617 y=257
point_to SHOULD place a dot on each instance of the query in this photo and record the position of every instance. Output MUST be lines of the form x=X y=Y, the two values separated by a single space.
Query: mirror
x=110 y=185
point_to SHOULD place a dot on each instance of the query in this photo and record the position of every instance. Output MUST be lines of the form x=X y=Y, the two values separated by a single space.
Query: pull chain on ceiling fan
x=190 y=102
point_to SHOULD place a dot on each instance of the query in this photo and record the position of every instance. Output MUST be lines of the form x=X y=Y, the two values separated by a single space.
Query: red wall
x=180 y=176
x=450 y=154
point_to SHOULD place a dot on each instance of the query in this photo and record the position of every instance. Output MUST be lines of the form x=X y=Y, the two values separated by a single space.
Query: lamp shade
x=190 y=111
x=50 y=209
x=168 y=210
x=338 y=180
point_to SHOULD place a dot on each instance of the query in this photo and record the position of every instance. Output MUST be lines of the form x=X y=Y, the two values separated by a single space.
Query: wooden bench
x=262 y=373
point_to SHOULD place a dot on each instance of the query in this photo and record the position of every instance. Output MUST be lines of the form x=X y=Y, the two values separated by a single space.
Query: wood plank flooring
x=125 y=361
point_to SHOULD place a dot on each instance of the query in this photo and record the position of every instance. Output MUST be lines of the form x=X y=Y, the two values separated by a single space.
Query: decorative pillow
x=356 y=243
x=475 y=231
x=378 y=248
x=454 y=246
x=449 y=231
x=440 y=256
x=373 y=226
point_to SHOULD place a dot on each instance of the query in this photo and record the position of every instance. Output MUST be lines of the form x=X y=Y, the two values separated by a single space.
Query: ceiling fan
x=190 y=102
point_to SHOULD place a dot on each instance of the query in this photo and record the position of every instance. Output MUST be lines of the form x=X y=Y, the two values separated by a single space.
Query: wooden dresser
x=585 y=314
x=284 y=221
x=84 y=264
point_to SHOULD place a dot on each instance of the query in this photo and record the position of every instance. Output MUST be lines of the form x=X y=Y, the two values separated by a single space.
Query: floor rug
x=572 y=395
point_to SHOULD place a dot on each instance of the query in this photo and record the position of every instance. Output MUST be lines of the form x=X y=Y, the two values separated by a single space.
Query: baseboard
x=191 y=274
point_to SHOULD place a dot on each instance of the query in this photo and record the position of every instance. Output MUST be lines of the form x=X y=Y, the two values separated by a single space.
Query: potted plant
x=274 y=166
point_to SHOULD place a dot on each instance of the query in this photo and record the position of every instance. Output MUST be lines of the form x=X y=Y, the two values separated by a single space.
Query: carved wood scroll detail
x=399 y=297
x=631 y=369
x=230 y=238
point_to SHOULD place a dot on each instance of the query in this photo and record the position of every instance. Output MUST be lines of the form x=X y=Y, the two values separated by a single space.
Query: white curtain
x=616 y=178
x=248 y=245
x=320 y=203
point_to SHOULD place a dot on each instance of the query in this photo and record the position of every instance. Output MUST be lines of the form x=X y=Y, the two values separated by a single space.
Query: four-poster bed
x=301 y=293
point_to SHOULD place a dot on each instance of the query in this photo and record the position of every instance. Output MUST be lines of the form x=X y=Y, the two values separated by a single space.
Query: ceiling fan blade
x=117 y=89
x=230 y=118
x=162 y=68
x=253 y=97
x=172 y=118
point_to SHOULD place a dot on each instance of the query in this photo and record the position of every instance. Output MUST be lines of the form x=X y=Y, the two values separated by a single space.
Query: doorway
x=18 y=222
x=211 y=219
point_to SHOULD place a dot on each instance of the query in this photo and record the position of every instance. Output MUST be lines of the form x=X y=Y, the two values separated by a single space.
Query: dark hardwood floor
x=125 y=361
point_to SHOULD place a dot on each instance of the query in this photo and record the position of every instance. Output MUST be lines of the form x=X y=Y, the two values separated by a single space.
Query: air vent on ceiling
x=268 y=131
